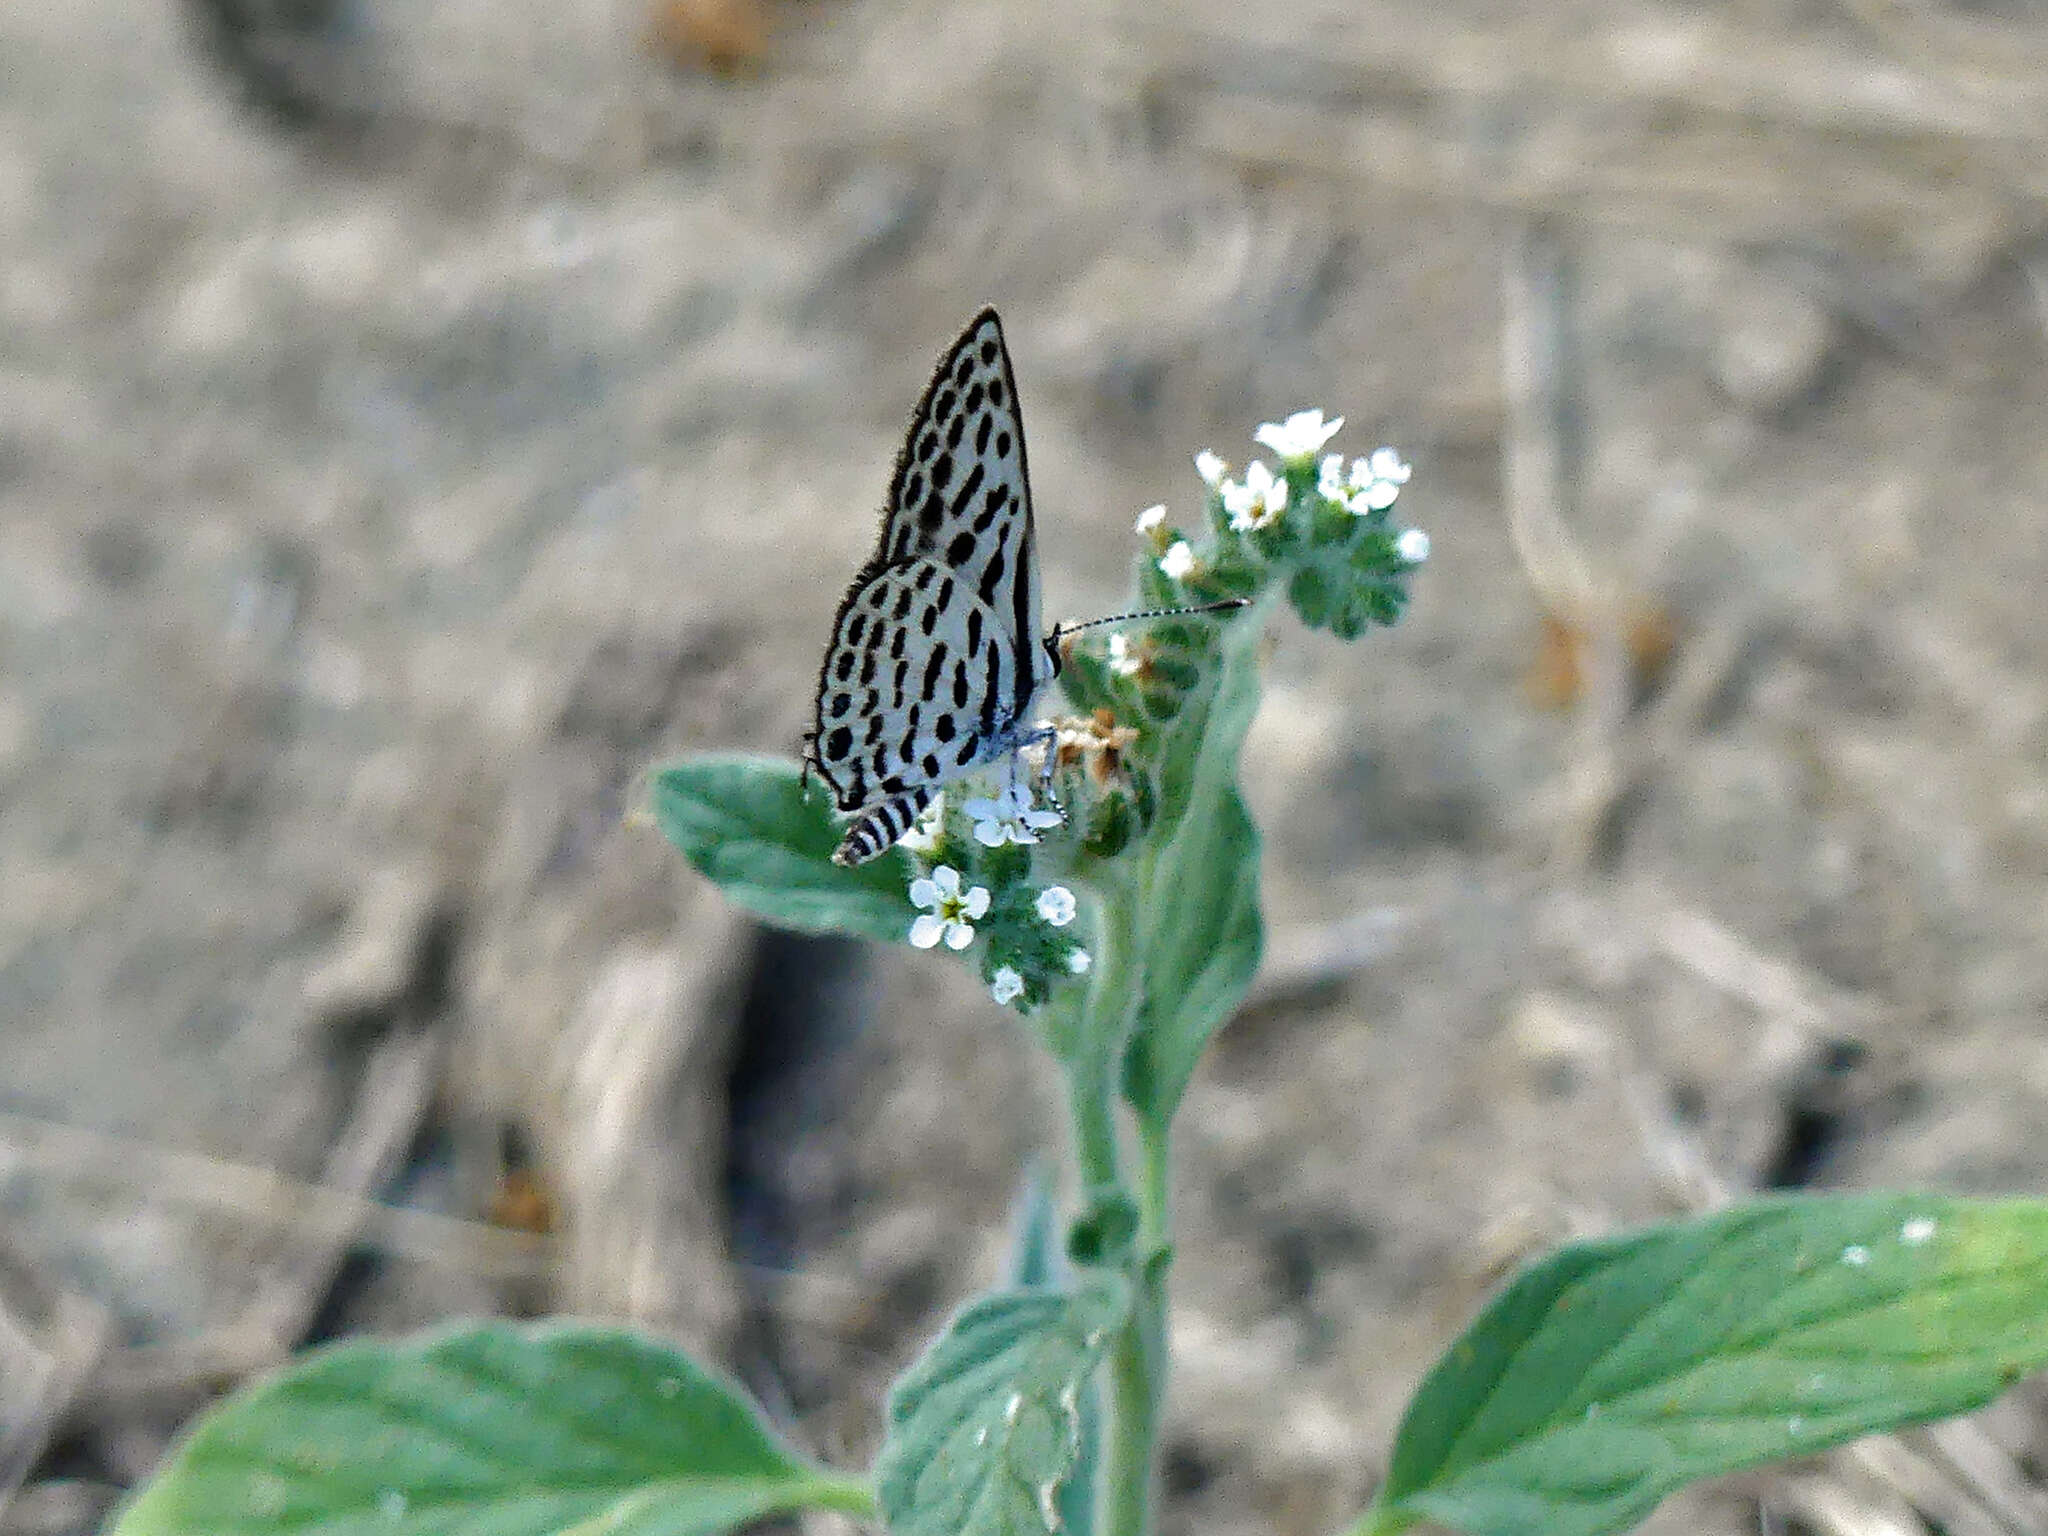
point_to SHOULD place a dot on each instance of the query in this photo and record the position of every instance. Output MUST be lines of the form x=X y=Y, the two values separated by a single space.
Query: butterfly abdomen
x=877 y=831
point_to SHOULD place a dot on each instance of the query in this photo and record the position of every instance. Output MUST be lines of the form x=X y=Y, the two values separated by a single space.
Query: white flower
x=1056 y=905
x=952 y=911
x=1006 y=986
x=1330 y=478
x=1299 y=435
x=1413 y=546
x=1210 y=468
x=923 y=837
x=1078 y=961
x=1377 y=481
x=1152 y=520
x=1178 y=561
x=1125 y=659
x=1257 y=502
x=1009 y=818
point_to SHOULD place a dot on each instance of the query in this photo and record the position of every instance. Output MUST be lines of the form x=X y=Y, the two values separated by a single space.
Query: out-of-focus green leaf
x=497 y=1429
x=746 y=825
x=1612 y=1373
x=1036 y=1262
x=1200 y=930
x=986 y=1430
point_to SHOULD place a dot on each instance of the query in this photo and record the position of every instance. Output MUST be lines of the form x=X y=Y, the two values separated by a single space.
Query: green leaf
x=746 y=825
x=1200 y=931
x=1077 y=1493
x=987 y=1428
x=1309 y=591
x=498 y=1429
x=1611 y=1373
x=1035 y=1263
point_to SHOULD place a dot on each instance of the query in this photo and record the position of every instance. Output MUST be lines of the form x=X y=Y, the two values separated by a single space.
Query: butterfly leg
x=880 y=825
x=1048 y=737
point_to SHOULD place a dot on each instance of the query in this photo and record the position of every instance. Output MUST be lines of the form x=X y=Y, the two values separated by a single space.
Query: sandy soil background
x=417 y=420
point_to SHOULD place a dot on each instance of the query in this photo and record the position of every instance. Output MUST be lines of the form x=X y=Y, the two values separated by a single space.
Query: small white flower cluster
x=1009 y=818
x=1373 y=484
x=1007 y=985
x=1370 y=484
x=1258 y=501
x=1300 y=437
x=1055 y=907
x=1176 y=556
x=952 y=910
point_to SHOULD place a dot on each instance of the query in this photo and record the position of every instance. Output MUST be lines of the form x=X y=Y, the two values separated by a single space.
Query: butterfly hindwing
x=935 y=654
x=917 y=688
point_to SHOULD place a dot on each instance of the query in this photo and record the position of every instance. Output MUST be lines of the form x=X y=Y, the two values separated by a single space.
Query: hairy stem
x=1131 y=1423
x=1139 y=1361
x=1134 y=1382
x=1096 y=1153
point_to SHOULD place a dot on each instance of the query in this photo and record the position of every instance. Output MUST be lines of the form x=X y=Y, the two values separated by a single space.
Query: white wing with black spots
x=935 y=654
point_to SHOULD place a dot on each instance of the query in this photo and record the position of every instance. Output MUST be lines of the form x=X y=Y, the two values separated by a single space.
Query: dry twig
x=174 y=1176
x=77 y=1332
x=390 y=1107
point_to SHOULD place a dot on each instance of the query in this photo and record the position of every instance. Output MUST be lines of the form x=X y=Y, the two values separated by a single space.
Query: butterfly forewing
x=961 y=493
x=935 y=654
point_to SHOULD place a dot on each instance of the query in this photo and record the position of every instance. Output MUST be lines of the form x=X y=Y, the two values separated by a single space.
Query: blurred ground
x=416 y=420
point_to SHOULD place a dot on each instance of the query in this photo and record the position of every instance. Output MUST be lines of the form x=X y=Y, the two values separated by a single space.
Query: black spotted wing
x=935 y=653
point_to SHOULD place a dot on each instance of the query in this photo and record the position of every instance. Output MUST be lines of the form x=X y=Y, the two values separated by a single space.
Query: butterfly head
x=1054 y=655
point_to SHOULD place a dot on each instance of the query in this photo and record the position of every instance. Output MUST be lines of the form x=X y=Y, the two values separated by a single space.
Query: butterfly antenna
x=1060 y=631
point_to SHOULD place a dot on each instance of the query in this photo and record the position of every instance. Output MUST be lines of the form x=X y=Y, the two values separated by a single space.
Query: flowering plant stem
x=1135 y=1383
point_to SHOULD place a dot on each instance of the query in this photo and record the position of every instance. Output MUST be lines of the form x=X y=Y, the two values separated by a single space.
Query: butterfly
x=935 y=654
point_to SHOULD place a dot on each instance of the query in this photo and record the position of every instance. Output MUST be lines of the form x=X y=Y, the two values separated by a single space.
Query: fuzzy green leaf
x=1613 y=1372
x=1309 y=591
x=986 y=1429
x=746 y=825
x=1200 y=928
x=499 y=1429
x=1036 y=1263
